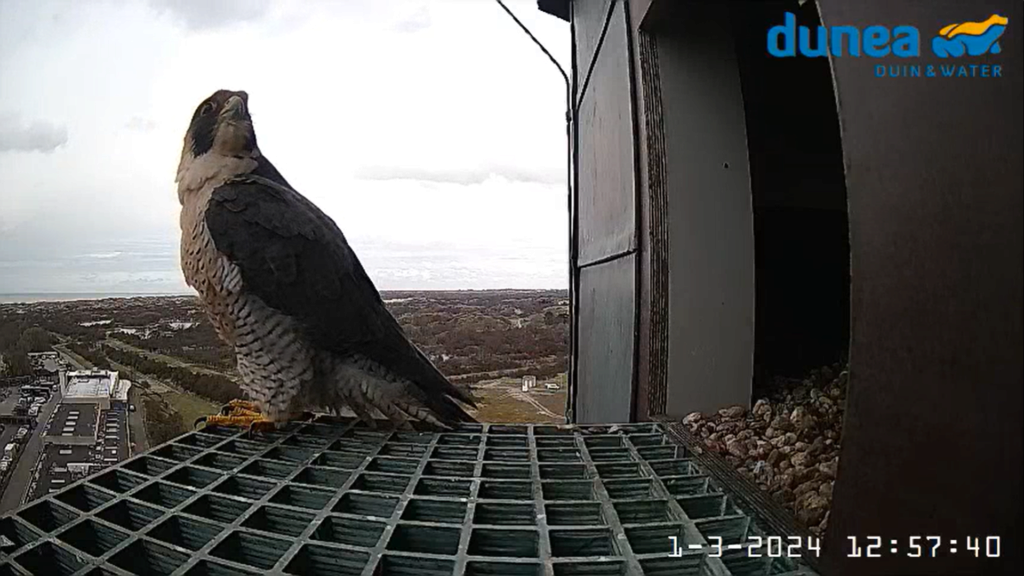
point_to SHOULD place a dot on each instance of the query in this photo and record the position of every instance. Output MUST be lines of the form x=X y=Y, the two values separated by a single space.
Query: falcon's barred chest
x=271 y=357
x=205 y=269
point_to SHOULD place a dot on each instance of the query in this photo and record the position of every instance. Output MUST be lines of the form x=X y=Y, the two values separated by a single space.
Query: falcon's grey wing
x=296 y=259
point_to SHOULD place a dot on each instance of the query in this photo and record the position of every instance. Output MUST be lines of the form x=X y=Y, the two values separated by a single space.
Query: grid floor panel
x=342 y=498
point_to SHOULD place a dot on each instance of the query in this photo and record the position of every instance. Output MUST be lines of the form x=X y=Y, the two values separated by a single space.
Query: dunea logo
x=904 y=41
x=971 y=38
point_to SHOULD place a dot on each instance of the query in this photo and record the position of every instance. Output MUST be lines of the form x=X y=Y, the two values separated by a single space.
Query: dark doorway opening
x=801 y=233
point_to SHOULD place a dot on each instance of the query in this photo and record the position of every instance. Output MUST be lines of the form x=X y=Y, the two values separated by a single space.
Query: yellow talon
x=245 y=414
x=238 y=414
x=235 y=420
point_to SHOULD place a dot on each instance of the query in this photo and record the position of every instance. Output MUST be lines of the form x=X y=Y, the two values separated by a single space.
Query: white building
x=93 y=387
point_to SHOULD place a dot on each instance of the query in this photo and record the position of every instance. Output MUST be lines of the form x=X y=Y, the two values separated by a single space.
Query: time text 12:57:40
x=924 y=546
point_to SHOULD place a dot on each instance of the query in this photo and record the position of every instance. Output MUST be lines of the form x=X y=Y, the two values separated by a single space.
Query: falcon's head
x=221 y=125
x=220 y=141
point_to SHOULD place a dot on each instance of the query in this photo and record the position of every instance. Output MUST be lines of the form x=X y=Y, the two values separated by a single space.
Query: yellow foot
x=237 y=413
x=245 y=414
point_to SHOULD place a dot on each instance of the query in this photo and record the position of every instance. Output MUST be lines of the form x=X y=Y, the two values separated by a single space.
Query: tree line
x=462 y=332
x=17 y=339
x=214 y=387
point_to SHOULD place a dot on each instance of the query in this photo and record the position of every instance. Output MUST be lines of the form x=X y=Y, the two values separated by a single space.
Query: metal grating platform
x=485 y=500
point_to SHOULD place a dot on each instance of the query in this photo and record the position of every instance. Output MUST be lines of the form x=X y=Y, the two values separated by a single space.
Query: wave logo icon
x=971 y=38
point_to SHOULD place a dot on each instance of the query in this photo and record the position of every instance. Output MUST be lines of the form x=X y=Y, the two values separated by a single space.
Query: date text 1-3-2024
x=755 y=546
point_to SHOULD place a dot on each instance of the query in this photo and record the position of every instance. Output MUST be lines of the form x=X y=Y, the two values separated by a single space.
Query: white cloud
x=203 y=15
x=440 y=153
x=16 y=135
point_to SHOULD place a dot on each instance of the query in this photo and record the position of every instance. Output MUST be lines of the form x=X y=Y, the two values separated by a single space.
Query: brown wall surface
x=710 y=219
x=932 y=444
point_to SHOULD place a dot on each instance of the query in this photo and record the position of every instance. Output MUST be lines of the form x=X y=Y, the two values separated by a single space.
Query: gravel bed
x=788 y=442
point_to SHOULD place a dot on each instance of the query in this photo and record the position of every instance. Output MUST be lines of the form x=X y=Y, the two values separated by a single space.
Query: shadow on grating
x=93 y=538
x=217 y=508
x=50 y=559
x=279 y=520
x=350 y=531
x=314 y=560
x=429 y=539
x=208 y=568
x=436 y=511
x=163 y=494
x=190 y=534
x=483 y=500
x=506 y=514
x=395 y=565
x=487 y=568
x=118 y=481
x=506 y=543
x=252 y=549
x=48 y=515
x=133 y=516
x=145 y=557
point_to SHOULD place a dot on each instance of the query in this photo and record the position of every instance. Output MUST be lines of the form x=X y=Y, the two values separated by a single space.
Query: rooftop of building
x=96 y=384
x=59 y=461
x=55 y=473
x=90 y=383
x=73 y=420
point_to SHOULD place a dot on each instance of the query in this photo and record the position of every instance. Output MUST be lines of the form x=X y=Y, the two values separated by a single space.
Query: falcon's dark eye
x=206 y=109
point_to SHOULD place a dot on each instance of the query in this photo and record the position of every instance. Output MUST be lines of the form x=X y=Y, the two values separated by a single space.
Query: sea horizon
x=33 y=297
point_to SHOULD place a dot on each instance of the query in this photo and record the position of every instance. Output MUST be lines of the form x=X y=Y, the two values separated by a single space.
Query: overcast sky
x=432 y=131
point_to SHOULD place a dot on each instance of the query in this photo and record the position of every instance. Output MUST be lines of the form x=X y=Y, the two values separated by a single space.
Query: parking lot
x=60 y=461
x=17 y=479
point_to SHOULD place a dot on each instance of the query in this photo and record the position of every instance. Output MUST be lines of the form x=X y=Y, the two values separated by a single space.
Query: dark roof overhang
x=557 y=8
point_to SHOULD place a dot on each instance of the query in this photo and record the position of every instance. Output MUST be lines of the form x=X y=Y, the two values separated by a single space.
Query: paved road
x=525 y=397
x=22 y=476
x=137 y=422
x=163 y=358
x=71 y=359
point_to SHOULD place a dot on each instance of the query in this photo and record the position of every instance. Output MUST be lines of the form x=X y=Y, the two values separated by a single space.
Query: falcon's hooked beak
x=235 y=108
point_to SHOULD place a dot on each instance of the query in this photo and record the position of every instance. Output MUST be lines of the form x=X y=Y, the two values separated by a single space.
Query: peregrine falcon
x=283 y=288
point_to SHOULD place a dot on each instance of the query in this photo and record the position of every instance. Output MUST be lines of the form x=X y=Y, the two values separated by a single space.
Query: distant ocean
x=64 y=296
